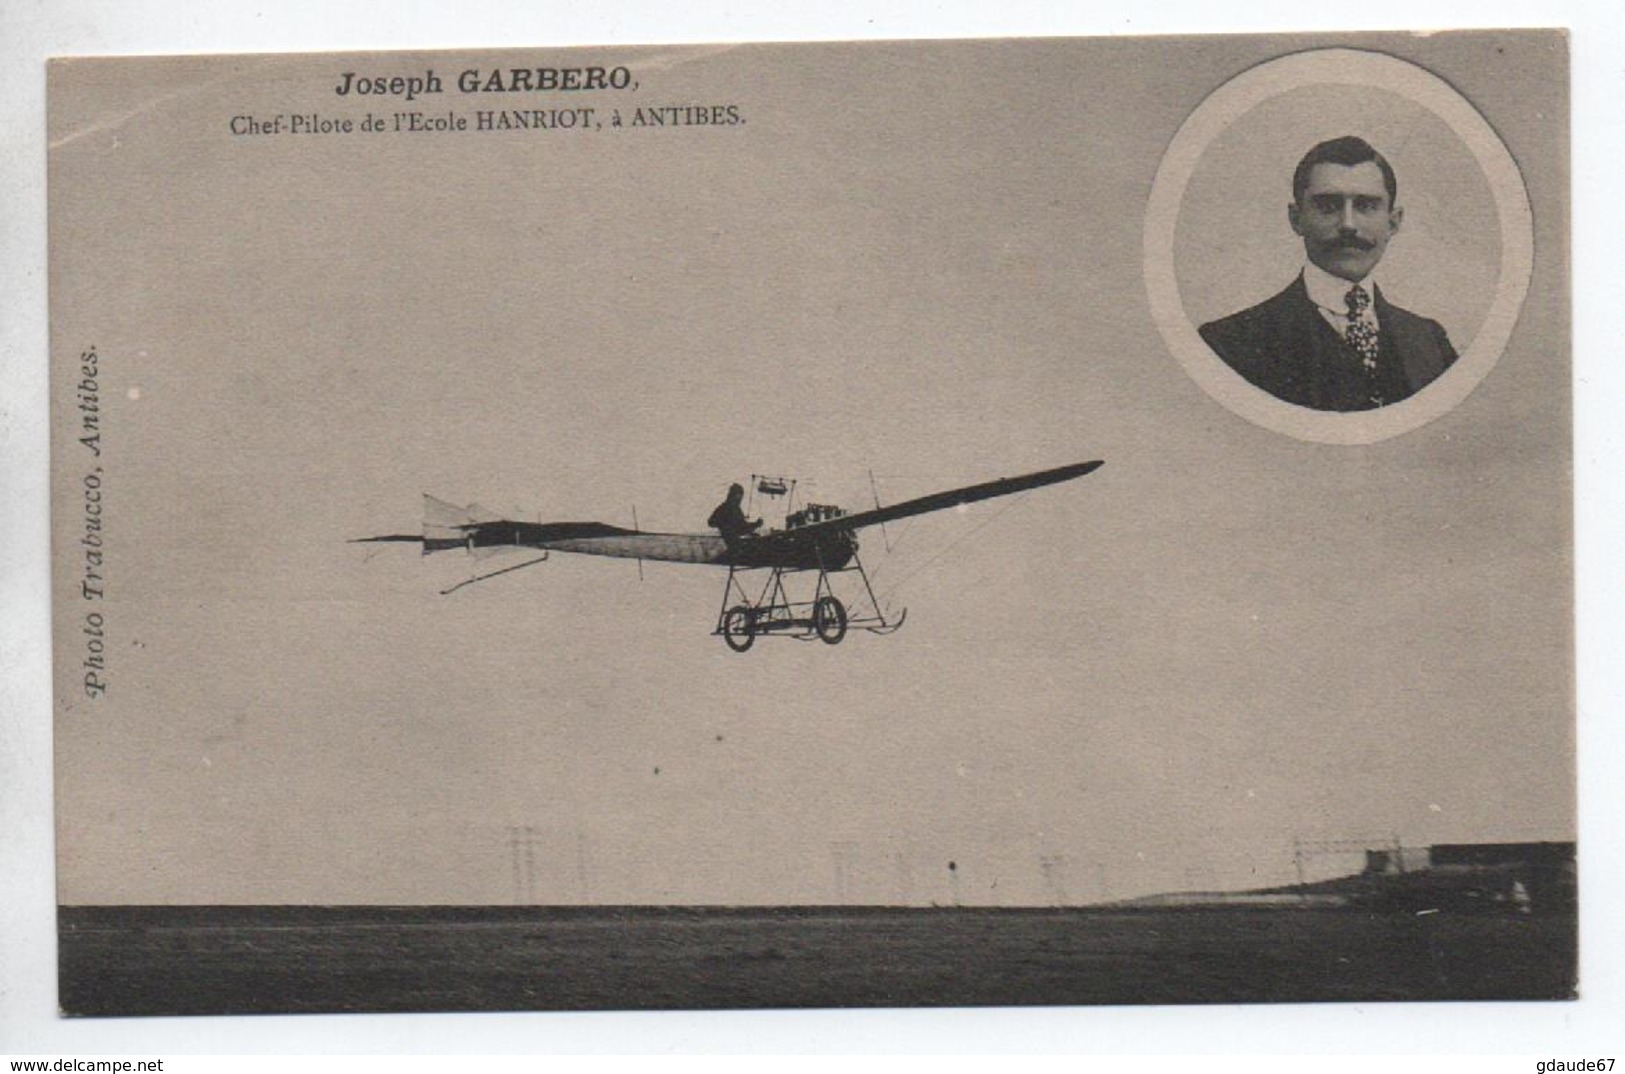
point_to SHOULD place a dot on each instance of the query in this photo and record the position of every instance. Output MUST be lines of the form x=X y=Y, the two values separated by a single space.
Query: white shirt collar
x=1328 y=291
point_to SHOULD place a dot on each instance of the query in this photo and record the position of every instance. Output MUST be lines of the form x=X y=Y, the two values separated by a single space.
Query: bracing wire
x=898 y=584
x=875 y=488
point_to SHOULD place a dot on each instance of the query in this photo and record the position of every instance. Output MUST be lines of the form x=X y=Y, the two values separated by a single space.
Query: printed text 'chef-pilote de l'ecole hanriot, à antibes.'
x=477 y=81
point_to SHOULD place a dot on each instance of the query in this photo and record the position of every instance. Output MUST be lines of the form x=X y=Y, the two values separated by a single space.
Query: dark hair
x=1347 y=151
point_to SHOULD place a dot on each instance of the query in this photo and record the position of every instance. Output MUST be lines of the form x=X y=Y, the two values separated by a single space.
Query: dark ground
x=238 y=960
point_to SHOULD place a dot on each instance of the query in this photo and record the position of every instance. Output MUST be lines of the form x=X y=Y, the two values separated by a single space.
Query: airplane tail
x=445 y=526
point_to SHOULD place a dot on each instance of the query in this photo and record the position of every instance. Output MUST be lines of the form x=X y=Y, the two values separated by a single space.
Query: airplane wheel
x=829 y=619
x=736 y=628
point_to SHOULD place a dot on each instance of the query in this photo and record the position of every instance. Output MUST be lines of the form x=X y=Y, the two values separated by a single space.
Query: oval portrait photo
x=1337 y=246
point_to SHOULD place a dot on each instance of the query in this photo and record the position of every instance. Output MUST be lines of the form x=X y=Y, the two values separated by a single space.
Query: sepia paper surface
x=1259 y=642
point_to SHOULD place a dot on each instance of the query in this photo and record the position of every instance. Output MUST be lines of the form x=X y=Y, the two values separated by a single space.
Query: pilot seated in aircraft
x=729 y=518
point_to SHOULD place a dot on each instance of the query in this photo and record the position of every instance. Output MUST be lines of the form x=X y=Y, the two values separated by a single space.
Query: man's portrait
x=1330 y=340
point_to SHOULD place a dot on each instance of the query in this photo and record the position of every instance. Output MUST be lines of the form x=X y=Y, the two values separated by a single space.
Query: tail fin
x=445 y=526
x=444 y=522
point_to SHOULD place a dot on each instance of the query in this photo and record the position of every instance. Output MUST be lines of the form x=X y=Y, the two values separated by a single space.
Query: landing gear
x=769 y=609
x=736 y=628
x=829 y=619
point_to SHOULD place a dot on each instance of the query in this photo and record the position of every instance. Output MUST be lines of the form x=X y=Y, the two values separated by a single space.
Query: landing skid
x=771 y=611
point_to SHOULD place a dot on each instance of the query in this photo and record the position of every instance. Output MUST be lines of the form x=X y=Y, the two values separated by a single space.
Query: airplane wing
x=447 y=527
x=939 y=501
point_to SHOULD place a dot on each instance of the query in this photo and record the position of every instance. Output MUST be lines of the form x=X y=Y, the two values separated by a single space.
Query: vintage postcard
x=1054 y=521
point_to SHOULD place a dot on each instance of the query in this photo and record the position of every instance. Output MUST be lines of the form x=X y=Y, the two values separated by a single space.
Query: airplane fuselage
x=827 y=549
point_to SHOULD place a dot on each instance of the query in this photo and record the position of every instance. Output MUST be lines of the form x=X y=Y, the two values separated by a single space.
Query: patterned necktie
x=1362 y=334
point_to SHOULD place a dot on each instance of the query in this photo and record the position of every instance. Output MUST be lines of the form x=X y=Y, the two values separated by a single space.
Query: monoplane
x=819 y=541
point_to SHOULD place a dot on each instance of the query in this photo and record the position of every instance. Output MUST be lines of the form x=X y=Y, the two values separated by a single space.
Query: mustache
x=1348 y=242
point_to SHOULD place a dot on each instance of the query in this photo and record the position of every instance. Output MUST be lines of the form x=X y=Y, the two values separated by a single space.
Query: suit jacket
x=729 y=520
x=1285 y=346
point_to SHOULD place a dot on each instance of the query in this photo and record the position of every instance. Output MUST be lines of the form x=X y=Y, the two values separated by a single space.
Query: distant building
x=1391 y=861
x=1528 y=855
x=1522 y=877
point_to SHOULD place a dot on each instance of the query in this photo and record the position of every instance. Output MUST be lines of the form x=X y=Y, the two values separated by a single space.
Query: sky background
x=920 y=263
